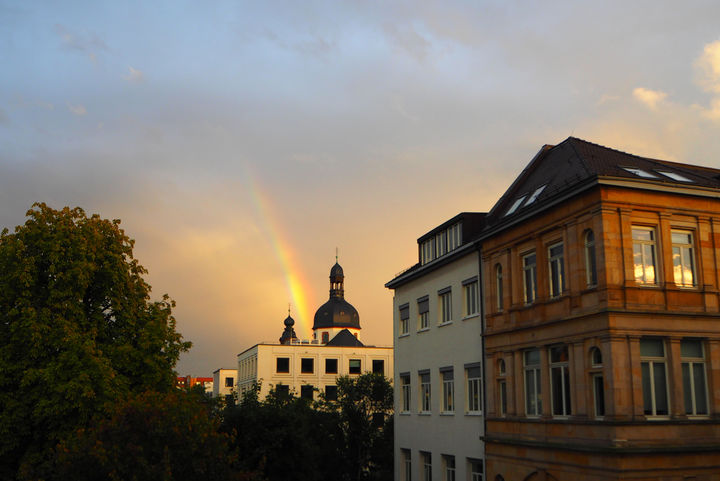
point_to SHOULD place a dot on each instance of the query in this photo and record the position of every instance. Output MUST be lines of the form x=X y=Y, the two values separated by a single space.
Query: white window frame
x=475 y=468
x=533 y=384
x=427 y=465
x=645 y=251
x=445 y=307
x=448 y=467
x=407 y=462
x=406 y=393
x=683 y=254
x=556 y=269
x=470 y=299
x=651 y=362
x=404 y=322
x=425 y=392
x=689 y=382
x=529 y=277
x=448 y=383
x=560 y=381
x=473 y=398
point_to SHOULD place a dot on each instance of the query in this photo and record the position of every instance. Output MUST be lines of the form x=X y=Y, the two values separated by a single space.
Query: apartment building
x=601 y=296
x=437 y=327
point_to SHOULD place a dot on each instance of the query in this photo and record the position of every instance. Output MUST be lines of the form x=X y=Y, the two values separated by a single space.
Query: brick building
x=602 y=321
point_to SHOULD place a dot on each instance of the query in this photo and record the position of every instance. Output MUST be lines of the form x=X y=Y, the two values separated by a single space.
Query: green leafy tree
x=365 y=404
x=152 y=436
x=78 y=332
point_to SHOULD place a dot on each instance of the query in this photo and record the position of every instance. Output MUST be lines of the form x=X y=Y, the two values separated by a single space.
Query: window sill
x=424 y=329
x=473 y=413
x=445 y=324
x=447 y=413
x=471 y=316
x=406 y=334
x=424 y=413
x=404 y=413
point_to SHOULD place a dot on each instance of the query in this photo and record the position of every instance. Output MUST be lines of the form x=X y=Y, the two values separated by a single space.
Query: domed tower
x=289 y=333
x=336 y=314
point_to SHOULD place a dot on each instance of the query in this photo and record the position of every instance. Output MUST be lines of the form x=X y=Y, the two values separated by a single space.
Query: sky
x=241 y=143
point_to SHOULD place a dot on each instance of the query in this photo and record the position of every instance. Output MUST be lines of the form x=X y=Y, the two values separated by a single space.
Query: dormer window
x=535 y=194
x=674 y=176
x=641 y=173
x=515 y=206
x=441 y=243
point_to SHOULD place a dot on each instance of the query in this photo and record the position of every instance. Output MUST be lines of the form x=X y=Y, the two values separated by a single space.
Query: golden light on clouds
x=650 y=98
x=708 y=67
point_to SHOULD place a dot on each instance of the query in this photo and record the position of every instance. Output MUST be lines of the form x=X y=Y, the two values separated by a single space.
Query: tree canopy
x=78 y=332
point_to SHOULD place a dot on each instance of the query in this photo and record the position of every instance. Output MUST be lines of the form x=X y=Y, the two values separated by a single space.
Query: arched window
x=595 y=357
x=590 y=259
x=499 y=287
x=325 y=337
x=501 y=367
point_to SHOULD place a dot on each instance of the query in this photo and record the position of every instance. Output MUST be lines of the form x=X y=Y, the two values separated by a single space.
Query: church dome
x=336 y=312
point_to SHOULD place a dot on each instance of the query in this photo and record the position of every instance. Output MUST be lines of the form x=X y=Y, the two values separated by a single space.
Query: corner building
x=437 y=327
x=600 y=281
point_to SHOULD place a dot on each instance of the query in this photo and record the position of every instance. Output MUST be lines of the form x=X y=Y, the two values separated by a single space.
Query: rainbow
x=298 y=288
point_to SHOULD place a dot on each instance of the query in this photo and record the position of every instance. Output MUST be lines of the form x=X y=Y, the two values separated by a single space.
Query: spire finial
x=288 y=309
x=336 y=255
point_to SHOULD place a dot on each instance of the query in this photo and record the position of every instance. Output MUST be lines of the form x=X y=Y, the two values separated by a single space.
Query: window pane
x=647 y=389
x=687 y=388
x=690 y=348
x=700 y=391
x=651 y=348
x=661 y=401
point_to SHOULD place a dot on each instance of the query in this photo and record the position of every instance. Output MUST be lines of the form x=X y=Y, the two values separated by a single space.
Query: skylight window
x=674 y=176
x=641 y=173
x=515 y=206
x=535 y=194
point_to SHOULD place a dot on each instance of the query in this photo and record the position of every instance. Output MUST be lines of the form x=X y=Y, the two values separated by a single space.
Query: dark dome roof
x=289 y=321
x=336 y=271
x=337 y=312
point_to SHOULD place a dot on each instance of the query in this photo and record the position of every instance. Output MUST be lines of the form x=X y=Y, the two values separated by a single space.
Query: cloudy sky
x=242 y=142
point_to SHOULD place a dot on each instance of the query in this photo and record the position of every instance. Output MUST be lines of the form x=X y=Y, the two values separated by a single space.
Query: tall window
x=683 y=258
x=445 y=305
x=654 y=377
x=427 y=251
x=476 y=469
x=470 y=296
x=530 y=277
x=404 y=318
x=407 y=463
x=556 y=268
x=533 y=401
x=590 y=259
x=441 y=243
x=423 y=309
x=427 y=465
x=502 y=388
x=378 y=366
x=499 y=287
x=598 y=382
x=405 y=383
x=644 y=255
x=694 y=380
x=448 y=380
x=424 y=392
x=325 y=337
x=474 y=388
x=559 y=381
x=449 y=467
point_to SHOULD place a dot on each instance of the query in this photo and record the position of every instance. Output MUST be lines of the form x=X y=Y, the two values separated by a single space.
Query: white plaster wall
x=265 y=355
x=454 y=344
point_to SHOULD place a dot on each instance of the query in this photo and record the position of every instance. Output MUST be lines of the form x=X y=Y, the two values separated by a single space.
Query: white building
x=307 y=367
x=438 y=357
x=224 y=382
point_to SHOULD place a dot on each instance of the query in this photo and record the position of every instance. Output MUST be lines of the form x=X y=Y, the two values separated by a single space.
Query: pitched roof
x=345 y=338
x=559 y=170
